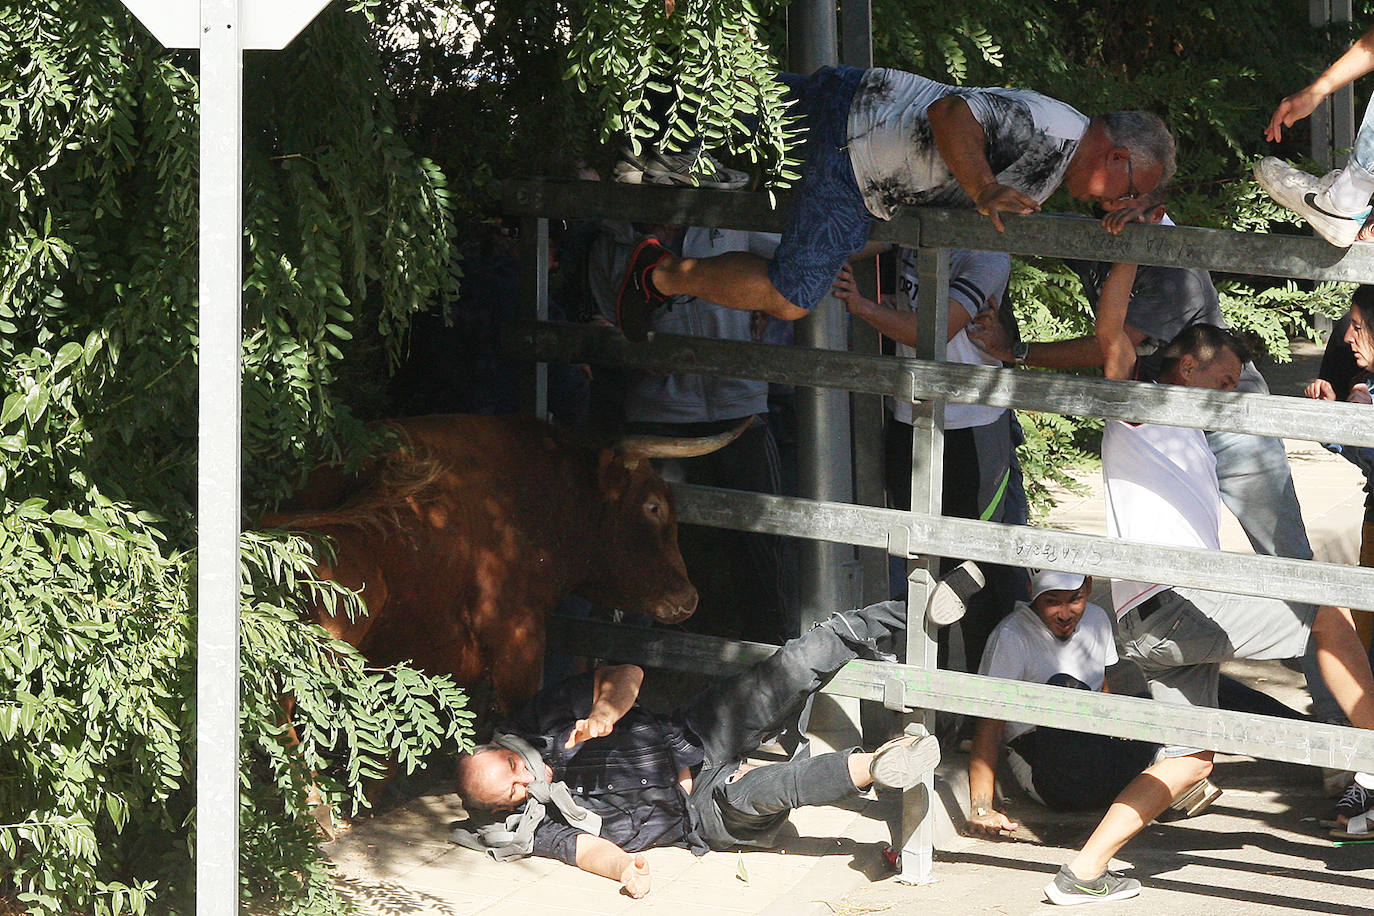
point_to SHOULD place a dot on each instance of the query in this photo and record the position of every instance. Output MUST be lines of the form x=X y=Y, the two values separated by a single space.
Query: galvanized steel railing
x=924 y=533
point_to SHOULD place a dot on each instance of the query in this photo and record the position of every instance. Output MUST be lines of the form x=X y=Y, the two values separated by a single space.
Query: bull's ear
x=611 y=468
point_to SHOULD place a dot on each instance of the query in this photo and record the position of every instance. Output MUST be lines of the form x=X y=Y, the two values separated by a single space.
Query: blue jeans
x=829 y=220
x=1362 y=156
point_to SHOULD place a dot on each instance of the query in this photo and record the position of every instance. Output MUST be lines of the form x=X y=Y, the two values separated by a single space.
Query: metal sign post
x=222 y=29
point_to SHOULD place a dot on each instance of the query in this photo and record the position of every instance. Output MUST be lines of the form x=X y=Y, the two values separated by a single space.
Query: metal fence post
x=534 y=306
x=220 y=460
x=927 y=480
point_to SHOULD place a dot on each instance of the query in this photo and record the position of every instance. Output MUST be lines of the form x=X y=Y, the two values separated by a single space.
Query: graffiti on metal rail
x=1035 y=552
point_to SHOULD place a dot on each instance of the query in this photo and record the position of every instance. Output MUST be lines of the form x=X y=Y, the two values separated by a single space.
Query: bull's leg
x=324 y=817
x=517 y=666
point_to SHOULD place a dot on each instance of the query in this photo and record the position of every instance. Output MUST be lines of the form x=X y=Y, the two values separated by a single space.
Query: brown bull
x=464 y=537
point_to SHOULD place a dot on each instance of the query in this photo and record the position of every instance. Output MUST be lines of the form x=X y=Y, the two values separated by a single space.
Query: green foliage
x=346 y=234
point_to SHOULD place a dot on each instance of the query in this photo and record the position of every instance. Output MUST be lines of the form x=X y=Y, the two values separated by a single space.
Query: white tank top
x=1161 y=488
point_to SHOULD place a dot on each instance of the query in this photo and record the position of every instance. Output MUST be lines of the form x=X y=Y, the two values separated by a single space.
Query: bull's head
x=649 y=575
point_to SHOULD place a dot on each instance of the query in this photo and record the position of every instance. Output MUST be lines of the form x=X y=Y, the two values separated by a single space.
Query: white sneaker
x=1306 y=196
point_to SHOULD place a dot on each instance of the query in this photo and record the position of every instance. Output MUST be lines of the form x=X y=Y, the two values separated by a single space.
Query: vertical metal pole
x=534 y=256
x=1319 y=14
x=927 y=483
x=1343 y=99
x=811 y=35
x=856 y=50
x=219 y=461
x=856 y=33
x=824 y=463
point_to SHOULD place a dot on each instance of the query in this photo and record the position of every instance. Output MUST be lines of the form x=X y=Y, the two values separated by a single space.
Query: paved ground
x=1259 y=850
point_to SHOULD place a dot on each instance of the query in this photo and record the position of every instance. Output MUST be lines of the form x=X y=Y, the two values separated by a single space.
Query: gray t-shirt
x=1029 y=140
x=1164 y=301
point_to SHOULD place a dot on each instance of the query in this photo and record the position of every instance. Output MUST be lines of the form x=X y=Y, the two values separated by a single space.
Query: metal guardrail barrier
x=1297 y=257
x=1049 y=392
x=917 y=685
x=1018 y=701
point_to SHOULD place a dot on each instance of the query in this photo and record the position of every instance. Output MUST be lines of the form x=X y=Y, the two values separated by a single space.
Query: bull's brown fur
x=465 y=536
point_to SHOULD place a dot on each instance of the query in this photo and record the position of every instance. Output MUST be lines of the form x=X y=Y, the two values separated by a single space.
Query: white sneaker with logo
x=1306 y=196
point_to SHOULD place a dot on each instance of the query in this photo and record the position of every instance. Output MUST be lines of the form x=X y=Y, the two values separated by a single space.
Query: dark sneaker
x=1068 y=890
x=691 y=168
x=1306 y=196
x=903 y=761
x=638 y=299
x=1357 y=799
x=949 y=599
x=629 y=168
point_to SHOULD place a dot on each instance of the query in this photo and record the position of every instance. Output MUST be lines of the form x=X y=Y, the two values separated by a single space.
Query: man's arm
x=982 y=775
x=1351 y=65
x=600 y=856
x=614 y=691
x=961 y=142
x=1078 y=353
x=894 y=324
x=1118 y=351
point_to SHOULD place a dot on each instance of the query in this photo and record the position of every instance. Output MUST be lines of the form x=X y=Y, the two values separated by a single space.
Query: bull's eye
x=654 y=510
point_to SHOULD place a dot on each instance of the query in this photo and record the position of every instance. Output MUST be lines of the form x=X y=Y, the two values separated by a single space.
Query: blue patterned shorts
x=829 y=221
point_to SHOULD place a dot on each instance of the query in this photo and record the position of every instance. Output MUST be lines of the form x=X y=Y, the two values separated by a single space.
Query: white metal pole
x=217 y=583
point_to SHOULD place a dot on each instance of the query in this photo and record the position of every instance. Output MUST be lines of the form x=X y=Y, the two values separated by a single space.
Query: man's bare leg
x=736 y=279
x=1344 y=664
x=1143 y=799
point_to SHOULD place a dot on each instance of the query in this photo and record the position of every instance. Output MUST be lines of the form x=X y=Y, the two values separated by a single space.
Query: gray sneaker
x=1306 y=196
x=1068 y=890
x=950 y=596
x=902 y=762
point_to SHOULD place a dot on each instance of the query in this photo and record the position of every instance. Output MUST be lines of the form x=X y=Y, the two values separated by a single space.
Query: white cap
x=1049 y=580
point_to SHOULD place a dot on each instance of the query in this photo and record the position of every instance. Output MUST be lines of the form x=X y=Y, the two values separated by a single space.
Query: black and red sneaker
x=639 y=298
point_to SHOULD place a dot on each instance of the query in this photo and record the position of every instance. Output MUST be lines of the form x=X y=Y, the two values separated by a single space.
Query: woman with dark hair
x=1347 y=374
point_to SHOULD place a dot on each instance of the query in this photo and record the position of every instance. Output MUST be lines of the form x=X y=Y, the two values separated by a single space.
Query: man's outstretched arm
x=961 y=142
x=600 y=856
x=982 y=776
x=614 y=690
x=1118 y=352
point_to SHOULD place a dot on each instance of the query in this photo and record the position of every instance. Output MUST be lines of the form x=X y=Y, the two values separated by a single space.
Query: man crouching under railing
x=593 y=778
x=1161 y=488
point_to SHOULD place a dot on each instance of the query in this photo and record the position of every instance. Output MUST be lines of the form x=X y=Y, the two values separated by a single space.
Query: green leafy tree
x=346 y=233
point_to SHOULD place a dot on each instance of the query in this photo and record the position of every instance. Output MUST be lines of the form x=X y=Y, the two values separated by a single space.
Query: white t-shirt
x=976 y=279
x=1161 y=487
x=1029 y=140
x=1021 y=648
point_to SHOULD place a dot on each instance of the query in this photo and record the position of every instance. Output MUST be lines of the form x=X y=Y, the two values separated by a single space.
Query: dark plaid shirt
x=628 y=777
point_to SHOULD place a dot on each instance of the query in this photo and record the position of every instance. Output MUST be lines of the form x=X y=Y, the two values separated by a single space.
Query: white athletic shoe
x=1306 y=196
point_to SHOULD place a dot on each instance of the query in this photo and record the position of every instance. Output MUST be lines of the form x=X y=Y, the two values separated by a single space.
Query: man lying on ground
x=594 y=778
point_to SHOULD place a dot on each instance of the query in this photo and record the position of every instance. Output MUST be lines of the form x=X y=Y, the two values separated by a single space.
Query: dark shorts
x=829 y=221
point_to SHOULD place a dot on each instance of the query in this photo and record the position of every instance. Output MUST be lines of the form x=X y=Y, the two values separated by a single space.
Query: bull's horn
x=681 y=446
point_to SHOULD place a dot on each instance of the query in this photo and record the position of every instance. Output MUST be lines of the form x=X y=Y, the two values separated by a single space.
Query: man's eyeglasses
x=1131 y=192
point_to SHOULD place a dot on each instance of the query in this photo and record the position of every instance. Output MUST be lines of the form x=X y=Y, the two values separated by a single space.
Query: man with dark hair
x=879 y=140
x=597 y=778
x=1161 y=488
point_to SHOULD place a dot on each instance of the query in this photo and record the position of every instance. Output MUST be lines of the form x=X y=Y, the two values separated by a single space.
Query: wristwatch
x=1019 y=351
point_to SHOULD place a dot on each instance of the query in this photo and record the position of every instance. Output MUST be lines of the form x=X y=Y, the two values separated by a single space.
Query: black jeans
x=732 y=718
